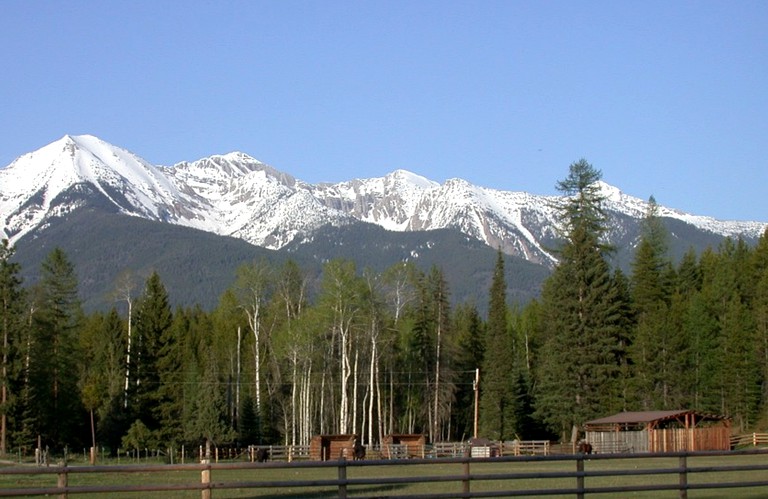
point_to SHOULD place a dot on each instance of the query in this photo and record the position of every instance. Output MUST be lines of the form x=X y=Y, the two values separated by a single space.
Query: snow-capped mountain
x=33 y=187
x=236 y=195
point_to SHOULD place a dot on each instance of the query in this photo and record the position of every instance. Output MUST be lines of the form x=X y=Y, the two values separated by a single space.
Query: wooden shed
x=398 y=446
x=327 y=447
x=658 y=431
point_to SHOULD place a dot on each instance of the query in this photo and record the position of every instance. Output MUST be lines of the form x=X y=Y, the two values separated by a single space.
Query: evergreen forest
x=282 y=358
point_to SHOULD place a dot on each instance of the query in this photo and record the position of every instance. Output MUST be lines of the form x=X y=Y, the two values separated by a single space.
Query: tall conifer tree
x=760 y=311
x=153 y=320
x=11 y=322
x=55 y=404
x=470 y=350
x=497 y=412
x=654 y=353
x=581 y=314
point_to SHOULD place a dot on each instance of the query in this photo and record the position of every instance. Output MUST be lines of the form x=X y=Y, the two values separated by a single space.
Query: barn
x=658 y=431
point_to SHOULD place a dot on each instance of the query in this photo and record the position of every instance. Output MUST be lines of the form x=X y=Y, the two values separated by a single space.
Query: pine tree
x=499 y=371
x=649 y=263
x=54 y=400
x=153 y=319
x=208 y=423
x=581 y=314
x=248 y=431
x=653 y=354
x=760 y=312
x=740 y=379
x=417 y=360
x=11 y=322
x=470 y=350
x=181 y=345
x=108 y=374
x=701 y=331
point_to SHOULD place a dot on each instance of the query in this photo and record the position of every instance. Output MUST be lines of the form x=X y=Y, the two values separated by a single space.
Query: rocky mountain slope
x=239 y=196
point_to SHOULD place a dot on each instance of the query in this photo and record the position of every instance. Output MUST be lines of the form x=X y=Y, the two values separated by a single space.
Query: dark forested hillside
x=198 y=266
x=467 y=263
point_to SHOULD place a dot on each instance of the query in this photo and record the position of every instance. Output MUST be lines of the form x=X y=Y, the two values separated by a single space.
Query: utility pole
x=476 y=387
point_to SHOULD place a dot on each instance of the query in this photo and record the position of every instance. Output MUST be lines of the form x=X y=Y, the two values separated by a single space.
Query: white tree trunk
x=344 y=383
x=254 y=320
x=322 y=404
x=128 y=353
x=371 y=379
x=237 y=378
x=294 y=394
x=306 y=406
x=435 y=415
x=354 y=392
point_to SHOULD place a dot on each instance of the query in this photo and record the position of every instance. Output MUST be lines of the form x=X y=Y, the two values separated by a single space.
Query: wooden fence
x=465 y=477
x=607 y=443
x=750 y=439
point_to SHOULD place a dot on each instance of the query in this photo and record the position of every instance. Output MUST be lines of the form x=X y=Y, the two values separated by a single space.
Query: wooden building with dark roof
x=658 y=431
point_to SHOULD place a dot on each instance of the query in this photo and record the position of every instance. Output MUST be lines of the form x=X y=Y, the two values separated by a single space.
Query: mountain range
x=257 y=208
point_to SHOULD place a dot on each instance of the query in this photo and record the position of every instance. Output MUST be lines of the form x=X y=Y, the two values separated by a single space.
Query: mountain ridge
x=239 y=196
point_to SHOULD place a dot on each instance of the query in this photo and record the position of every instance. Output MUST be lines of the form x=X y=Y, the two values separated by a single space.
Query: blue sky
x=668 y=99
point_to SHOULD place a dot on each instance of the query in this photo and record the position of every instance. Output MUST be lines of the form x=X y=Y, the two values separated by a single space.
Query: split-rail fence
x=465 y=477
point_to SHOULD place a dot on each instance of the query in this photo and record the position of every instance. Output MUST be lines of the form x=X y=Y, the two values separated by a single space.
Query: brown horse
x=262 y=454
x=584 y=447
x=359 y=451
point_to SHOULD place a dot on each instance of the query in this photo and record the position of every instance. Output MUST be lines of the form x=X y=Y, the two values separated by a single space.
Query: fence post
x=205 y=478
x=683 y=477
x=63 y=481
x=465 y=482
x=342 y=477
x=580 y=476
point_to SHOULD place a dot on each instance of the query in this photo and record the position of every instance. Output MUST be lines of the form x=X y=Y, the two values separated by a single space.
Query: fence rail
x=436 y=450
x=449 y=477
x=753 y=439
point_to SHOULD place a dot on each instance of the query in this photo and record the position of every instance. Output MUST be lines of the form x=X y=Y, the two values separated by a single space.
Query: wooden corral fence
x=218 y=454
x=526 y=447
x=448 y=449
x=413 y=448
x=577 y=475
x=602 y=444
x=681 y=439
x=659 y=440
x=753 y=439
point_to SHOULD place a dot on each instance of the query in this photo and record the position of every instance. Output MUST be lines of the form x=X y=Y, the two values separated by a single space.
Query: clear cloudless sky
x=666 y=98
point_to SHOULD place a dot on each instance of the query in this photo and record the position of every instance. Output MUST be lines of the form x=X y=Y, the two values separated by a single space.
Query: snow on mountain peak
x=31 y=186
x=405 y=177
x=237 y=195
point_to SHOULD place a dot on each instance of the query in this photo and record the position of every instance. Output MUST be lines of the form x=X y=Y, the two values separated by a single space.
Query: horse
x=262 y=455
x=358 y=451
x=585 y=447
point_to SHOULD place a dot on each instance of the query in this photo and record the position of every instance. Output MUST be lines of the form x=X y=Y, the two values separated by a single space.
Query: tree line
x=283 y=357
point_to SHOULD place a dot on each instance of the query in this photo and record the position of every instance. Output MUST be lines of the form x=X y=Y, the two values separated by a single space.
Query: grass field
x=485 y=478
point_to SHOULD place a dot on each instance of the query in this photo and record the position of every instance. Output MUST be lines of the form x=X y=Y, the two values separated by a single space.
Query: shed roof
x=652 y=418
x=638 y=417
